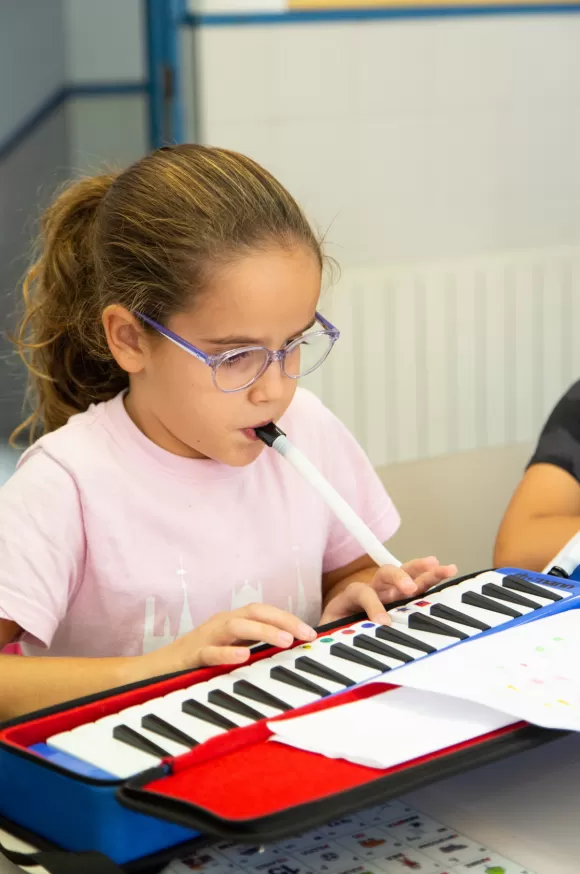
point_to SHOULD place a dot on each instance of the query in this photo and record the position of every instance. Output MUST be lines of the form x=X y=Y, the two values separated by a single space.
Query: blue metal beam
x=163 y=20
x=376 y=14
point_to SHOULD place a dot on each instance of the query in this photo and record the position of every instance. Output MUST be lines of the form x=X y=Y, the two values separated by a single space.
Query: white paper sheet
x=390 y=728
x=531 y=671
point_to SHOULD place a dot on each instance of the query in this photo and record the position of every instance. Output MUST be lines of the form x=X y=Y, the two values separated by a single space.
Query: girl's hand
x=389 y=584
x=225 y=638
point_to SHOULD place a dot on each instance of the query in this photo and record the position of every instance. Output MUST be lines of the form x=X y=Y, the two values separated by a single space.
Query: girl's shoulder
x=82 y=441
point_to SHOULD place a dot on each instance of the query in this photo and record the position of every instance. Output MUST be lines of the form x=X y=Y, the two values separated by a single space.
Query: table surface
x=526 y=807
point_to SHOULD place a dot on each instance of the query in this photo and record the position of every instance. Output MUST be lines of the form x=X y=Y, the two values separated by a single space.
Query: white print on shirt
x=242 y=595
x=301 y=599
x=152 y=641
x=247 y=594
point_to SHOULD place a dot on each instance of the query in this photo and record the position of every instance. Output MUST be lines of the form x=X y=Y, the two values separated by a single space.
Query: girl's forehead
x=260 y=295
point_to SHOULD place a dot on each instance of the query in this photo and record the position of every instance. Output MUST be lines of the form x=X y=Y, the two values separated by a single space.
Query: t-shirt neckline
x=178 y=465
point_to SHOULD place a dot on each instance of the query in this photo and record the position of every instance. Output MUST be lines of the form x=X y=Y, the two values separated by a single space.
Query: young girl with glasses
x=170 y=312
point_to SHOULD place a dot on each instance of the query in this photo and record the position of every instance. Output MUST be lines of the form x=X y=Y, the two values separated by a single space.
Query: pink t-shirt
x=110 y=545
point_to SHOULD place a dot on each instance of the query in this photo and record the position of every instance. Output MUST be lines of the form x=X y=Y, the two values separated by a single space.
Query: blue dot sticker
x=368 y=625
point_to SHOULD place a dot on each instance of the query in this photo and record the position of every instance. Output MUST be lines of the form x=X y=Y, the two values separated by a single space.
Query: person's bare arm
x=543 y=514
x=28 y=683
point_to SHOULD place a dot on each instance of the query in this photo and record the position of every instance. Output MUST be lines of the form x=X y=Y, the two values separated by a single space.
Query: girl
x=148 y=530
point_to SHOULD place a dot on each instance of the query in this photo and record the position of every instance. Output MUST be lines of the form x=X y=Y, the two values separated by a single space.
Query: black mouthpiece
x=269 y=433
x=558 y=571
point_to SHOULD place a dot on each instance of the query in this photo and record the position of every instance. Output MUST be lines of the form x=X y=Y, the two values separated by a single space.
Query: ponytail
x=60 y=338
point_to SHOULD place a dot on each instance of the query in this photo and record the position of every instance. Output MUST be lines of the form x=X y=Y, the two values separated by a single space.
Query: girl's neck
x=155 y=430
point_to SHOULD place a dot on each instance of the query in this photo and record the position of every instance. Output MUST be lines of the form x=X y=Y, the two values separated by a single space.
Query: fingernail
x=241 y=655
x=284 y=638
x=381 y=619
x=305 y=632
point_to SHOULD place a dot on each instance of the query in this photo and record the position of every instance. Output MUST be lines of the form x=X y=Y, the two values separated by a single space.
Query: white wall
x=32 y=58
x=411 y=139
x=106 y=45
x=104 y=40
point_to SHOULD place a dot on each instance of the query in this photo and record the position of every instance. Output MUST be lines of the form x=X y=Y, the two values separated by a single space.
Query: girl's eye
x=236 y=359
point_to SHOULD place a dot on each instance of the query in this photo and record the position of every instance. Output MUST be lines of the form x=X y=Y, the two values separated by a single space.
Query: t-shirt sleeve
x=41 y=546
x=351 y=473
x=559 y=442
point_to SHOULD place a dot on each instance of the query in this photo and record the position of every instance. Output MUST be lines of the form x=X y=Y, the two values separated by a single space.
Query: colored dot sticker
x=539 y=649
x=368 y=625
x=422 y=603
x=557 y=638
x=326 y=639
x=348 y=631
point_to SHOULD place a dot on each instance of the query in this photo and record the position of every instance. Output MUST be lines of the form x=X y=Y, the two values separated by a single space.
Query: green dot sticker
x=326 y=639
x=558 y=638
x=539 y=649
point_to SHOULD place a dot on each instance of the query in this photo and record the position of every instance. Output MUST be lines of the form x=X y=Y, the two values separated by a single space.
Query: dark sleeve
x=559 y=442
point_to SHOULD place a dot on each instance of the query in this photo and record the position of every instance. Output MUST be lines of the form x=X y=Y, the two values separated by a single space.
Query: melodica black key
x=511 y=581
x=129 y=736
x=423 y=622
x=350 y=654
x=245 y=689
x=441 y=611
x=310 y=666
x=371 y=644
x=492 y=590
x=478 y=600
x=387 y=632
x=196 y=708
x=159 y=726
x=229 y=702
x=283 y=675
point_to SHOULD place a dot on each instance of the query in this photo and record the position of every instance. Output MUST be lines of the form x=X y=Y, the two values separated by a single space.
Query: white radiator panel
x=450 y=357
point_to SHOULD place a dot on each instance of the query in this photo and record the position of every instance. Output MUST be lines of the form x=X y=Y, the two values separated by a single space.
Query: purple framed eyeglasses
x=237 y=369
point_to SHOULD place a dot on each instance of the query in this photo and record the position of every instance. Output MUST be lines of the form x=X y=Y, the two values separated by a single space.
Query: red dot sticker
x=348 y=631
x=422 y=603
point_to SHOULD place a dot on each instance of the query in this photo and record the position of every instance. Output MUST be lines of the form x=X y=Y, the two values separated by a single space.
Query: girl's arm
x=28 y=683
x=542 y=516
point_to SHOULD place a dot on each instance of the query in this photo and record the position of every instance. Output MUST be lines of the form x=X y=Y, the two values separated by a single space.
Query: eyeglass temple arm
x=178 y=341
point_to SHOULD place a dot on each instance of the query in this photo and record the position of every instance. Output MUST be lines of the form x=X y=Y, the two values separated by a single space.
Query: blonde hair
x=146 y=239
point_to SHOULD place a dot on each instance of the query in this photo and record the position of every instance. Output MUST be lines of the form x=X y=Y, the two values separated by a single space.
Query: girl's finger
x=365 y=597
x=397 y=577
x=279 y=618
x=237 y=628
x=222 y=655
x=437 y=575
x=418 y=566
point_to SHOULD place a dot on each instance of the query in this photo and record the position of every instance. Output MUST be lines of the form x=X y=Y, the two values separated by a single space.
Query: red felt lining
x=242 y=775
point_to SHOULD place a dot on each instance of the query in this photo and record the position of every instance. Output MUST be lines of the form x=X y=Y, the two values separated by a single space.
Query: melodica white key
x=320 y=651
x=416 y=616
x=471 y=609
x=131 y=718
x=169 y=708
x=290 y=695
x=97 y=747
x=513 y=583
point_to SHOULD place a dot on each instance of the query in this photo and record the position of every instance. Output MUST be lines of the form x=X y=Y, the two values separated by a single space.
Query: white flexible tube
x=568 y=558
x=353 y=523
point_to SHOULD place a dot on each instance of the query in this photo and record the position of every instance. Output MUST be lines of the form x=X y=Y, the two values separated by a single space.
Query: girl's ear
x=126 y=338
